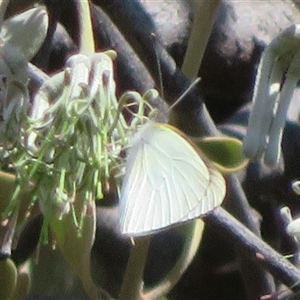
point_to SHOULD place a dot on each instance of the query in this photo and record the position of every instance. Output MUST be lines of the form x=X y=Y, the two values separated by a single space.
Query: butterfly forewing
x=166 y=181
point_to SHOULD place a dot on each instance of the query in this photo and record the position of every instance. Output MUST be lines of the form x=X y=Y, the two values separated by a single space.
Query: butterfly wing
x=166 y=182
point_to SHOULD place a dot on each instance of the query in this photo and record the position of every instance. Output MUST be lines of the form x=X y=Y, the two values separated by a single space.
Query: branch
x=251 y=246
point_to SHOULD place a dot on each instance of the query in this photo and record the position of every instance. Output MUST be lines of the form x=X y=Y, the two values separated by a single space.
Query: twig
x=41 y=59
x=128 y=64
x=254 y=248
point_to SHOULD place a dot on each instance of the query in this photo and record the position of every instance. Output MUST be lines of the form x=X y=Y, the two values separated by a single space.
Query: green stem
x=7 y=184
x=133 y=280
x=201 y=29
x=45 y=148
x=193 y=235
x=87 y=45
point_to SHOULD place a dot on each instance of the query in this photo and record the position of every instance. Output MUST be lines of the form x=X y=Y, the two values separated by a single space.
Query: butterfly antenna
x=153 y=35
x=161 y=86
x=184 y=94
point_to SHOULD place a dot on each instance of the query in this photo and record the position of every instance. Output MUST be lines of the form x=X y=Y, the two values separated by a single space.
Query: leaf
x=225 y=152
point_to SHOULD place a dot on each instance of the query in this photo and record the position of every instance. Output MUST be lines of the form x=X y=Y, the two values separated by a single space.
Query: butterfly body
x=167 y=181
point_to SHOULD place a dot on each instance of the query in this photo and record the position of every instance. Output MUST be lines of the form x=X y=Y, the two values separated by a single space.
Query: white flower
x=278 y=74
x=293 y=225
x=20 y=38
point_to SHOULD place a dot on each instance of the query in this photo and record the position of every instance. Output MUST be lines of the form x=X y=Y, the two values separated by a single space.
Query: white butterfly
x=167 y=181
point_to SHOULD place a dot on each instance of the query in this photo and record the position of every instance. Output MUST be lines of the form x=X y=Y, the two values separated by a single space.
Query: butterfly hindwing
x=166 y=181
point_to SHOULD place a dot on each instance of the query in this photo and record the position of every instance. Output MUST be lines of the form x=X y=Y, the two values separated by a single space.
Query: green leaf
x=225 y=152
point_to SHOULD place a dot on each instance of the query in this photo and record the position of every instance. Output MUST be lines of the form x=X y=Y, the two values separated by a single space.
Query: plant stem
x=87 y=45
x=204 y=12
x=133 y=280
